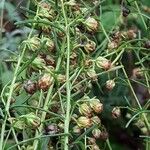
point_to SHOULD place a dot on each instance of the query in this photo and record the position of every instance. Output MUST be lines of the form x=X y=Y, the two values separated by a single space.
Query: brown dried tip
x=30 y=87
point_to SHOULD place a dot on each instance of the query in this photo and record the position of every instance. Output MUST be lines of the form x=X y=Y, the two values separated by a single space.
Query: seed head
x=90 y=46
x=45 y=82
x=103 y=63
x=110 y=84
x=84 y=122
x=76 y=129
x=30 y=87
x=96 y=133
x=91 y=24
x=96 y=120
x=116 y=112
x=96 y=105
x=85 y=109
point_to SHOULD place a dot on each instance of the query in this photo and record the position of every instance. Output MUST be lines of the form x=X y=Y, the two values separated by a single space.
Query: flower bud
x=137 y=73
x=61 y=78
x=140 y=123
x=51 y=129
x=38 y=62
x=91 y=24
x=91 y=141
x=125 y=11
x=110 y=84
x=116 y=112
x=131 y=34
x=92 y=74
x=112 y=45
x=145 y=131
x=33 y=102
x=88 y=63
x=61 y=126
x=46 y=11
x=31 y=120
x=33 y=43
x=49 y=45
x=84 y=122
x=147 y=44
x=96 y=120
x=96 y=105
x=71 y=3
x=96 y=133
x=104 y=135
x=103 y=63
x=85 y=109
x=45 y=82
x=49 y=61
x=95 y=147
x=90 y=46
x=30 y=87
x=76 y=129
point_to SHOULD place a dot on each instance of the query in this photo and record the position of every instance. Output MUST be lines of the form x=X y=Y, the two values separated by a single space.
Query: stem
x=9 y=98
x=11 y=90
x=108 y=143
x=139 y=11
x=67 y=117
x=137 y=101
x=1 y=18
x=39 y=131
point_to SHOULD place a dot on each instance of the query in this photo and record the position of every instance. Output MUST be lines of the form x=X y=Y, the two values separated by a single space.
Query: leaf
x=110 y=18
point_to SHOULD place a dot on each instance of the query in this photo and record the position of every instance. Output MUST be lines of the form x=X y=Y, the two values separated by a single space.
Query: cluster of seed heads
x=48 y=68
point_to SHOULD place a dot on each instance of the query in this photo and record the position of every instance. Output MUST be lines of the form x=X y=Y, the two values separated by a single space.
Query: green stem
x=139 y=11
x=68 y=106
x=1 y=18
x=137 y=101
x=11 y=90
x=108 y=143
x=39 y=131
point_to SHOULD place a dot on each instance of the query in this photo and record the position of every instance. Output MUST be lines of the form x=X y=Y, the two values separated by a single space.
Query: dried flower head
x=30 y=87
x=45 y=82
x=90 y=46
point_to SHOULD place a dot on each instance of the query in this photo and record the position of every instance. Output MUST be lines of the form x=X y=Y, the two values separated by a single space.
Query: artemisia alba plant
x=50 y=103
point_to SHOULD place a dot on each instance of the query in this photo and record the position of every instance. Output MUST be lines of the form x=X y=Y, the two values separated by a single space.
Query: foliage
x=69 y=68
